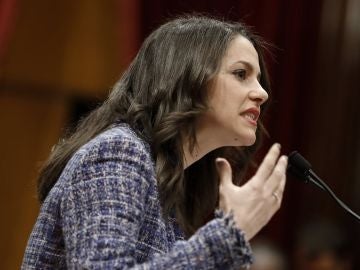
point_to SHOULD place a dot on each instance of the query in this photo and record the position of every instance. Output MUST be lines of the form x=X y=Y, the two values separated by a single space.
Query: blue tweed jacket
x=104 y=213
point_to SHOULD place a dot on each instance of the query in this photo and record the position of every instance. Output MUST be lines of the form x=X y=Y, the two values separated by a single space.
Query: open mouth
x=251 y=118
x=251 y=115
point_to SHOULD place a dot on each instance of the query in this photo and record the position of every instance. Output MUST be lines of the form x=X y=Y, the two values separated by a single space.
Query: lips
x=251 y=115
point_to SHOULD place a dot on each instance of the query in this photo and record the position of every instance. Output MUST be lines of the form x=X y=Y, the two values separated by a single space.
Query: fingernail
x=283 y=158
x=218 y=162
x=278 y=145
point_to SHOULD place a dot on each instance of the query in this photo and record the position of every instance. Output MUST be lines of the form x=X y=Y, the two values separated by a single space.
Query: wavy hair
x=160 y=95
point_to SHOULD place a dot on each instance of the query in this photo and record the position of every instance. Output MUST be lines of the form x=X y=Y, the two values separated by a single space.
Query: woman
x=137 y=185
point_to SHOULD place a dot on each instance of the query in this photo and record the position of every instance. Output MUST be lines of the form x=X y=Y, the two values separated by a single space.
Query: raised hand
x=254 y=203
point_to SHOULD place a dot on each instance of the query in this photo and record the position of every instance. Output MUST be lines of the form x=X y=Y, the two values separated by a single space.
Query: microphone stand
x=301 y=168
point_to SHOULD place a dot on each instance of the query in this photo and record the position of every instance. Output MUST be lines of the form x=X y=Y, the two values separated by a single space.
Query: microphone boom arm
x=301 y=168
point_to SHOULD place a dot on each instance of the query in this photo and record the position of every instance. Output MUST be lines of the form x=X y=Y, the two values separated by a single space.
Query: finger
x=282 y=187
x=279 y=194
x=282 y=184
x=224 y=170
x=274 y=181
x=267 y=165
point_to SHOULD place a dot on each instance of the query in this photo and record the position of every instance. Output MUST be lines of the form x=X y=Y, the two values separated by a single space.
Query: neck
x=191 y=157
x=204 y=144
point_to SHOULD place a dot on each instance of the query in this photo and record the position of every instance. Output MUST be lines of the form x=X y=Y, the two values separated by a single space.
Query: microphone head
x=298 y=166
x=298 y=161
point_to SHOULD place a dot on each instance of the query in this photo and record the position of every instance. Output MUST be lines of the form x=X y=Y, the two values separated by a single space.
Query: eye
x=240 y=73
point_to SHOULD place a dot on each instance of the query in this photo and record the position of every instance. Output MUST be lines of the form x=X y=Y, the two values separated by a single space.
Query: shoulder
x=118 y=139
x=114 y=151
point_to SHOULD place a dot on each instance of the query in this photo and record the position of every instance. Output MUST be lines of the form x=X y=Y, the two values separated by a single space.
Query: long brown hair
x=160 y=94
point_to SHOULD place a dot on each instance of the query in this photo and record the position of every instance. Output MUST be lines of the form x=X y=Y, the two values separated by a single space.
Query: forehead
x=241 y=49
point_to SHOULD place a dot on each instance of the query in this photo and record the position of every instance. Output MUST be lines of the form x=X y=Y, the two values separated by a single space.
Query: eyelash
x=240 y=73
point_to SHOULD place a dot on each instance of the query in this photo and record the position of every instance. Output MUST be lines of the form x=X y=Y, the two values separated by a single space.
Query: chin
x=247 y=138
x=250 y=142
x=244 y=141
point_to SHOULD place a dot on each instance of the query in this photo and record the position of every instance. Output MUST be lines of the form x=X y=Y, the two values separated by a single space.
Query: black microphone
x=299 y=167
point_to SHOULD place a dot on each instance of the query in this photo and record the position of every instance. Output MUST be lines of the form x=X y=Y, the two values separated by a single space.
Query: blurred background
x=59 y=59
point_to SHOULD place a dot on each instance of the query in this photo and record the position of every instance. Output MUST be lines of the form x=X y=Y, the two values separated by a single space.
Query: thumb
x=224 y=170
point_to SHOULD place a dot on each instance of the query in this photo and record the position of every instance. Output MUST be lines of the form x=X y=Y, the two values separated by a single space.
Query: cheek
x=231 y=104
x=223 y=115
x=227 y=99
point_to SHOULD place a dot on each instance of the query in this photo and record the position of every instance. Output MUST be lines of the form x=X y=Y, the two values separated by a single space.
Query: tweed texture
x=104 y=213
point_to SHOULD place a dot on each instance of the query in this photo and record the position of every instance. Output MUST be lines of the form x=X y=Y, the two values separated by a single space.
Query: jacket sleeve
x=102 y=211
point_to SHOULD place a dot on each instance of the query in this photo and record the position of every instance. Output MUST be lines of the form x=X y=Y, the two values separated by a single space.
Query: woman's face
x=235 y=97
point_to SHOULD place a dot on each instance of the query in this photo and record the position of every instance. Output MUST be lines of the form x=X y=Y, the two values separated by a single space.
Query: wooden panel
x=65 y=45
x=29 y=127
x=68 y=48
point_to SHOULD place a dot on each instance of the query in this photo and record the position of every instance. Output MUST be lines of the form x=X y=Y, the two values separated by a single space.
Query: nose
x=258 y=94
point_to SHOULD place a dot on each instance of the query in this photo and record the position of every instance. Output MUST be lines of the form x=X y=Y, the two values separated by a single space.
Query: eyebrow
x=249 y=66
